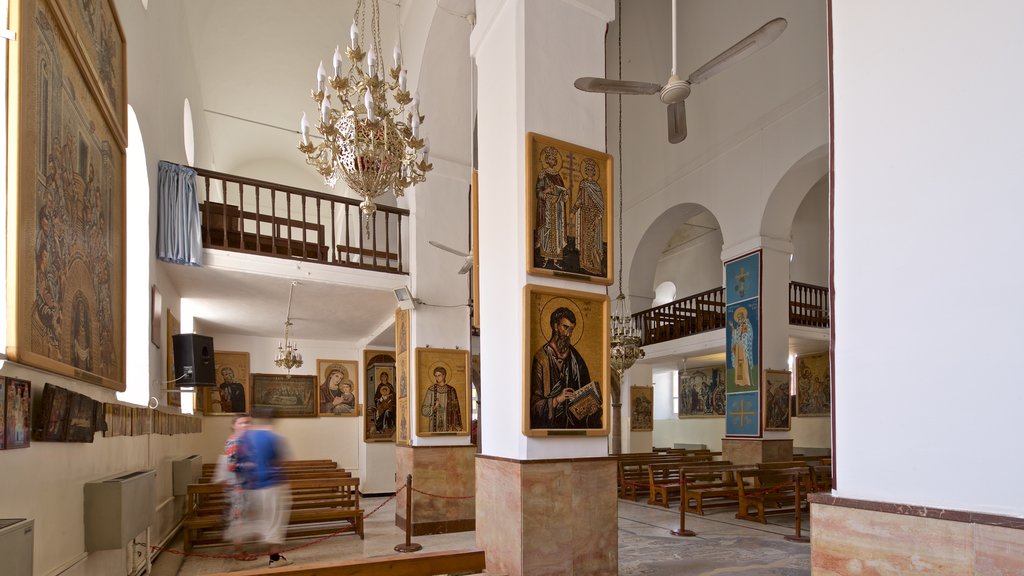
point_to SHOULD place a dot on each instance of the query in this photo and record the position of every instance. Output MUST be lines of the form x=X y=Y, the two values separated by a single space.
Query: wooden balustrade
x=254 y=216
x=808 y=306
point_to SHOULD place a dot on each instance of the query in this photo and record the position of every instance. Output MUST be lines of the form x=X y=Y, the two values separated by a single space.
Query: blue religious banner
x=743 y=278
x=743 y=345
x=743 y=414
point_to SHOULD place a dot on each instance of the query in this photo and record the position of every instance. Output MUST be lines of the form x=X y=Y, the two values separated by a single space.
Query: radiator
x=117 y=509
x=185 y=471
x=16 y=546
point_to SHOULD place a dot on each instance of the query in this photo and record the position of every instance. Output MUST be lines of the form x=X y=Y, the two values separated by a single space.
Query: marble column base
x=756 y=450
x=547 y=517
x=447 y=475
x=864 y=537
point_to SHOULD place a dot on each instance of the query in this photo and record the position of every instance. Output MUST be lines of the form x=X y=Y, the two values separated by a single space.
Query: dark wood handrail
x=260 y=217
x=703 y=312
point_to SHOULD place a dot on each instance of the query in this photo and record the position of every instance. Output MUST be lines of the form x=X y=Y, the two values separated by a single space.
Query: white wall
x=912 y=166
x=810 y=238
x=693 y=267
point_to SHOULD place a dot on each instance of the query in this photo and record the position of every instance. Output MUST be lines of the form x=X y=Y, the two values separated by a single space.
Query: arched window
x=664 y=293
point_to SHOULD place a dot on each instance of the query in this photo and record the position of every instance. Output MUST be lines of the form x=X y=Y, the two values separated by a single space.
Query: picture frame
x=401 y=331
x=813 y=385
x=569 y=210
x=641 y=408
x=584 y=411
x=81 y=424
x=442 y=392
x=380 y=415
x=51 y=420
x=173 y=327
x=156 y=301
x=17 y=413
x=474 y=200
x=338 y=393
x=402 y=435
x=776 y=400
x=283 y=395
x=3 y=413
x=66 y=192
x=702 y=392
x=231 y=394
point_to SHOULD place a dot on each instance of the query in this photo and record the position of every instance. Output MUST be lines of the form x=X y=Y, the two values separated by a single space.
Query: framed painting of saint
x=402 y=436
x=3 y=413
x=566 y=362
x=17 y=413
x=284 y=396
x=776 y=399
x=52 y=417
x=379 y=397
x=174 y=327
x=442 y=403
x=702 y=392
x=230 y=395
x=339 y=387
x=401 y=331
x=641 y=411
x=813 y=385
x=569 y=210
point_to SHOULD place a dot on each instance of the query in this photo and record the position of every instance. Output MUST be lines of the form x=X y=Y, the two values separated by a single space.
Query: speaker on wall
x=193 y=360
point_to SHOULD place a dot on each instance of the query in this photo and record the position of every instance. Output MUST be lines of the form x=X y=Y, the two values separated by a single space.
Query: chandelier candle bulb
x=426 y=149
x=304 y=129
x=337 y=61
x=371 y=62
x=325 y=111
x=415 y=125
x=401 y=80
x=321 y=77
x=398 y=56
x=368 y=101
x=354 y=34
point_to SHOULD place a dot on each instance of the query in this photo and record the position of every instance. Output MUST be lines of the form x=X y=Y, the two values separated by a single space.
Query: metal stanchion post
x=409 y=545
x=796 y=497
x=682 y=509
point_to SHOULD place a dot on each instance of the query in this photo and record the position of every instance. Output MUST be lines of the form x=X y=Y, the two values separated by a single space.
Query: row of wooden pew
x=325 y=499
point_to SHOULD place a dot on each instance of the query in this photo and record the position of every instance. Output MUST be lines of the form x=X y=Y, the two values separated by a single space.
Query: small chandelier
x=374 y=146
x=625 y=336
x=288 y=355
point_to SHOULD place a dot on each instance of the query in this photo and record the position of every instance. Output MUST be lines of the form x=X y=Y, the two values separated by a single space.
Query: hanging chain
x=618 y=17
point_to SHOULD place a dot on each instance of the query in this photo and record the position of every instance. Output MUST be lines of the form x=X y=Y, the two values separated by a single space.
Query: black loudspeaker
x=193 y=360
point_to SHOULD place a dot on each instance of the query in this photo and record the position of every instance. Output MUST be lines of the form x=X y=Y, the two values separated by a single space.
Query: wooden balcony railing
x=691 y=315
x=253 y=216
x=808 y=306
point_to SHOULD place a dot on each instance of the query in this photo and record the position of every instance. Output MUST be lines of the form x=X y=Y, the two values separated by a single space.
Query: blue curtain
x=178 y=237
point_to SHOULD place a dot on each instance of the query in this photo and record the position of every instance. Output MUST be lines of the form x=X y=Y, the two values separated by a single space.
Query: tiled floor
x=723 y=545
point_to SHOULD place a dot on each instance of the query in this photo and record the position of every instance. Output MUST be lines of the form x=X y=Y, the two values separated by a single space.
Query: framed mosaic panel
x=230 y=395
x=566 y=362
x=702 y=392
x=813 y=385
x=173 y=327
x=743 y=414
x=338 y=394
x=569 y=210
x=641 y=413
x=442 y=392
x=401 y=331
x=51 y=420
x=66 y=197
x=403 y=434
x=380 y=415
x=776 y=399
x=284 y=396
x=3 y=413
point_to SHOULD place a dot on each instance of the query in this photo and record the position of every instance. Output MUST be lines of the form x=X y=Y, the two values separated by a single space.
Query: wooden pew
x=420 y=564
x=710 y=486
x=324 y=502
x=633 y=476
x=663 y=479
x=772 y=488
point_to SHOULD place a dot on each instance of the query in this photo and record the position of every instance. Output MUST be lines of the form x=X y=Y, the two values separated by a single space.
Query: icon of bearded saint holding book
x=562 y=395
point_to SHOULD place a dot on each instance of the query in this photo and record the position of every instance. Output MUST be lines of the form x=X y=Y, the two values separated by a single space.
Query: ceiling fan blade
x=466 y=267
x=677 y=122
x=609 y=86
x=758 y=39
x=448 y=249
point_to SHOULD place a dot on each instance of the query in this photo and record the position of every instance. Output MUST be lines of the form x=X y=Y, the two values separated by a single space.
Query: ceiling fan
x=675 y=91
x=467 y=265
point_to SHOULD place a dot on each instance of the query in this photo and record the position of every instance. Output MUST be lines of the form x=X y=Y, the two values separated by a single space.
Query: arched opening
x=664 y=293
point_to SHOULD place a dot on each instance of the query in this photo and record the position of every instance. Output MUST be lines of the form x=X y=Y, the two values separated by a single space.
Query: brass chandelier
x=288 y=355
x=625 y=336
x=369 y=142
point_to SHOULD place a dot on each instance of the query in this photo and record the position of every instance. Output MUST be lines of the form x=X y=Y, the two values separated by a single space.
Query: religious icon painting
x=402 y=375
x=52 y=417
x=569 y=210
x=173 y=327
x=284 y=395
x=813 y=385
x=17 y=413
x=442 y=385
x=743 y=278
x=230 y=395
x=379 y=396
x=743 y=415
x=742 y=354
x=402 y=436
x=401 y=331
x=702 y=392
x=339 y=387
x=3 y=412
x=566 y=362
x=641 y=408
x=776 y=399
